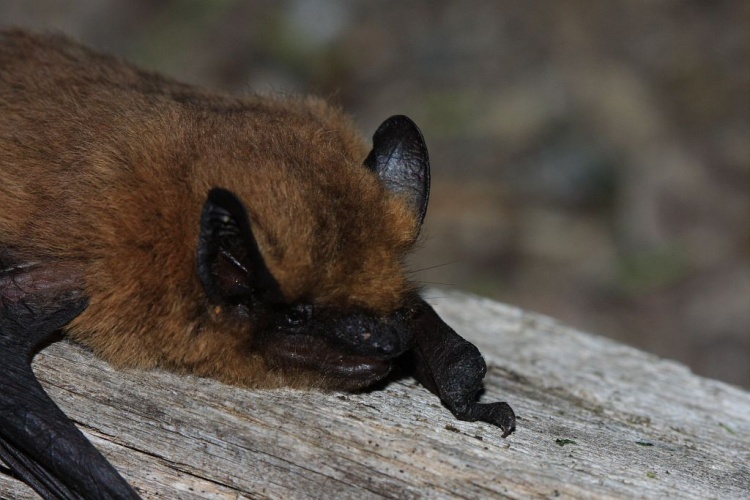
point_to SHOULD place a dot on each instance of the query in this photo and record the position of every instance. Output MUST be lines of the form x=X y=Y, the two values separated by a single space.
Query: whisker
x=434 y=283
x=433 y=300
x=413 y=271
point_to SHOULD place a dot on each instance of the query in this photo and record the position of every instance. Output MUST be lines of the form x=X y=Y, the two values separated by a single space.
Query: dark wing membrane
x=453 y=368
x=37 y=441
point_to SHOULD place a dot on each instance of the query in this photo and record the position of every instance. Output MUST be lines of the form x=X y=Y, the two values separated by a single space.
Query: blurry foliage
x=652 y=270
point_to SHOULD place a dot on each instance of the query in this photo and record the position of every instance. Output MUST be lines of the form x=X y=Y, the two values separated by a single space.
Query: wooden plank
x=595 y=419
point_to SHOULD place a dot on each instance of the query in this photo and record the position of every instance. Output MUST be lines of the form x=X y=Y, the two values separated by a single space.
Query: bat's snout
x=349 y=349
x=369 y=335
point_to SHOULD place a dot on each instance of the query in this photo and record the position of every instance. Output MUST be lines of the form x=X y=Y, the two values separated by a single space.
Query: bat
x=258 y=240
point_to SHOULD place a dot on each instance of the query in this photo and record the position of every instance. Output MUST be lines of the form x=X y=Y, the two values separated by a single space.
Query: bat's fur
x=106 y=167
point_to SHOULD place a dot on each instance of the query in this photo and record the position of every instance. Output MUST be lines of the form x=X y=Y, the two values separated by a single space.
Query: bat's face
x=346 y=328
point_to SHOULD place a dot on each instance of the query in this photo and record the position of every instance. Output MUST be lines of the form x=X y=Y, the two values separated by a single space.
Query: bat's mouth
x=336 y=368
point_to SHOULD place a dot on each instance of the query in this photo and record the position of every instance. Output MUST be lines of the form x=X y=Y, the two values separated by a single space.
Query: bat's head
x=317 y=272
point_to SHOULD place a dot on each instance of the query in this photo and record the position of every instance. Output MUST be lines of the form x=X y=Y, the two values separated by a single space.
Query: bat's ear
x=230 y=264
x=399 y=157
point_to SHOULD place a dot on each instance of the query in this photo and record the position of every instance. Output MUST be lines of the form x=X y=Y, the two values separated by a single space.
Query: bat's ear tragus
x=230 y=265
x=399 y=157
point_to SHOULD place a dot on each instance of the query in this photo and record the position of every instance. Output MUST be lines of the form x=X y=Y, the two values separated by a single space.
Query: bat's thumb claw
x=504 y=417
x=507 y=421
x=499 y=414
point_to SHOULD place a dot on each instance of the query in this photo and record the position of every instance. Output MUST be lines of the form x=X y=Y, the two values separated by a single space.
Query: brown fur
x=106 y=167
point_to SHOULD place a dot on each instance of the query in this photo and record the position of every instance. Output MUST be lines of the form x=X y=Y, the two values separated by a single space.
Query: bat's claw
x=505 y=418
x=499 y=414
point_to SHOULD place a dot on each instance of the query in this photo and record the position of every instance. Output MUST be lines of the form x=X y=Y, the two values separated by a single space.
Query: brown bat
x=256 y=240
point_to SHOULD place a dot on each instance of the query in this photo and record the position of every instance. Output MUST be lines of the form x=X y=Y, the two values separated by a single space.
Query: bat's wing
x=453 y=368
x=37 y=441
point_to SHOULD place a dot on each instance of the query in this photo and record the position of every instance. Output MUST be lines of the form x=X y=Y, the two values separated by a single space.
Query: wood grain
x=595 y=419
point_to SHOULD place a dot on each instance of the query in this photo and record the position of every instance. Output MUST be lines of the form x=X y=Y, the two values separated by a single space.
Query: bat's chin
x=350 y=373
x=327 y=367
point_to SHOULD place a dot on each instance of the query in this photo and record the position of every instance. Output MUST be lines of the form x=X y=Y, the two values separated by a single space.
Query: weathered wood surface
x=642 y=426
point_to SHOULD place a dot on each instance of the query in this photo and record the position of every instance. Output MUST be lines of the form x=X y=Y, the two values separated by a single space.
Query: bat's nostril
x=391 y=346
x=388 y=348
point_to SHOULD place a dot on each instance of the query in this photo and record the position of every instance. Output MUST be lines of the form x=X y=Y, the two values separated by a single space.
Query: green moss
x=563 y=442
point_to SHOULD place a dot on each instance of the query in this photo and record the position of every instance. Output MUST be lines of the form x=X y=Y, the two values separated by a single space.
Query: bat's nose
x=364 y=334
x=392 y=343
x=388 y=348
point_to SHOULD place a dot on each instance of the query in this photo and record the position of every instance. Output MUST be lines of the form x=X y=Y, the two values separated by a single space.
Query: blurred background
x=589 y=159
